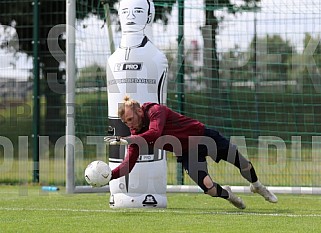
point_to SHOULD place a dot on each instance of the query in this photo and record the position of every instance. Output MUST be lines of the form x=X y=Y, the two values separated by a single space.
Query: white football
x=98 y=173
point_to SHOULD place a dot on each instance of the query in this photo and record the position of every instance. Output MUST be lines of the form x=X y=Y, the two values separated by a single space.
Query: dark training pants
x=196 y=166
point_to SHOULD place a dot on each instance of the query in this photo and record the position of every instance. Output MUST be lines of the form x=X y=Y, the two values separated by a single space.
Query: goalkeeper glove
x=114 y=140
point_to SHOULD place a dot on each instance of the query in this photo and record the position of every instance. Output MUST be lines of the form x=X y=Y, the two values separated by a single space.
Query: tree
x=272 y=59
x=211 y=61
x=19 y=15
x=275 y=59
x=92 y=76
x=309 y=70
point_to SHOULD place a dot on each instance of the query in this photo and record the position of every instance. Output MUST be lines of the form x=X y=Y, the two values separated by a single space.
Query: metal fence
x=249 y=72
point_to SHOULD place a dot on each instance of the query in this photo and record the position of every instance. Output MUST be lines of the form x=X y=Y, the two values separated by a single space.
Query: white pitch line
x=161 y=211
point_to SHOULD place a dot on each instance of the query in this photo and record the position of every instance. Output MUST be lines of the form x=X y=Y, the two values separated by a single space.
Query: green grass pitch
x=28 y=209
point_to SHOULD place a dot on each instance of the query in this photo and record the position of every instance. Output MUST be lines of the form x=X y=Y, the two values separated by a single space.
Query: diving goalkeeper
x=191 y=141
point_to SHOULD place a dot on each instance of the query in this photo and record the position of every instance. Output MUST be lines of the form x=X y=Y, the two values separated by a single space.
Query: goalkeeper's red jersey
x=165 y=127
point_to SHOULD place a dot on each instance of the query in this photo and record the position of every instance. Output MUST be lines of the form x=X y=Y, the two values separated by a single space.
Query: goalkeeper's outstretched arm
x=128 y=163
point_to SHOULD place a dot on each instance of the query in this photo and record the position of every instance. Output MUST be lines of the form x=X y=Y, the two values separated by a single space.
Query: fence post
x=36 y=110
x=70 y=95
x=180 y=76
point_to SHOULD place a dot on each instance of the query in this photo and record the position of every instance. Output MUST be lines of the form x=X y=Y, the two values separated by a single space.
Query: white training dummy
x=138 y=69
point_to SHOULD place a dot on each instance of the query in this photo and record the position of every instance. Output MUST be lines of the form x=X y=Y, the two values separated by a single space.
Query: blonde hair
x=133 y=104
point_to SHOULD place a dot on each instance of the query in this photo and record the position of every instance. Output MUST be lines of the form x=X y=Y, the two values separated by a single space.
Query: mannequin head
x=134 y=15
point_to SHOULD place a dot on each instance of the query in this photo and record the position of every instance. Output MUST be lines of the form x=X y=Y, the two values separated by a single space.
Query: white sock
x=257 y=184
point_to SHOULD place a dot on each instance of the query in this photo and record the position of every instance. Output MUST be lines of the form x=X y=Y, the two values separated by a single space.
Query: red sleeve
x=128 y=163
x=157 y=119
